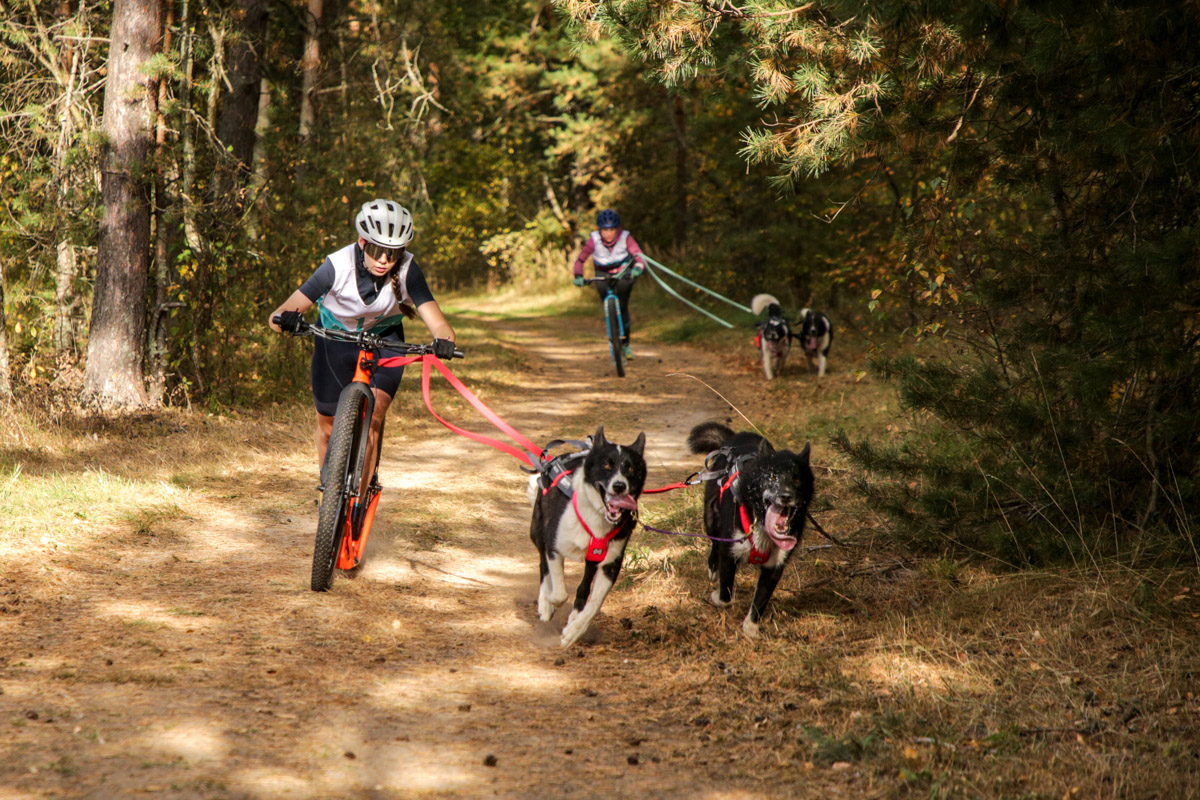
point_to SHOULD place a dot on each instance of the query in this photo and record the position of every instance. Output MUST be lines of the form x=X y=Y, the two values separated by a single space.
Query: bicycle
x=346 y=511
x=612 y=319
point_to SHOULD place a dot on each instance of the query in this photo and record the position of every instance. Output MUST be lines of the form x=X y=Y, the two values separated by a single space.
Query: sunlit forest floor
x=158 y=637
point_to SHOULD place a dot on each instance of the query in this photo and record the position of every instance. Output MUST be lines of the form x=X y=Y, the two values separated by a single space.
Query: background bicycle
x=614 y=325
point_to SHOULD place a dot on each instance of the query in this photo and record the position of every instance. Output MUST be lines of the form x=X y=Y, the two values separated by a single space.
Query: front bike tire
x=339 y=476
x=613 y=312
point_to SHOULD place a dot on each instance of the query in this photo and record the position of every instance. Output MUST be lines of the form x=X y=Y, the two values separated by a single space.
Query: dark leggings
x=333 y=366
x=623 y=288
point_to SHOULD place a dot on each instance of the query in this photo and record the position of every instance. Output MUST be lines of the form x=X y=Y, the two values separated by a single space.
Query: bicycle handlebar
x=610 y=277
x=364 y=340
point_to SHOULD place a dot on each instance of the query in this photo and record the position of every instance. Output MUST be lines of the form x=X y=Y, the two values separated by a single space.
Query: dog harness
x=556 y=473
x=597 y=548
x=756 y=557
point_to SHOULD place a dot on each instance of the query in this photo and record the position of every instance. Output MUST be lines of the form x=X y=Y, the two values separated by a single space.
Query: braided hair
x=406 y=309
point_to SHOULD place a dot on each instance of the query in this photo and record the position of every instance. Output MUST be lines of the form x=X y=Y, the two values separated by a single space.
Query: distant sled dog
x=816 y=336
x=756 y=498
x=587 y=511
x=774 y=336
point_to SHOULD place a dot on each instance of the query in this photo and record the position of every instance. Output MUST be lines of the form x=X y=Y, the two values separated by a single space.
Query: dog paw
x=571 y=633
x=715 y=599
x=545 y=610
x=750 y=629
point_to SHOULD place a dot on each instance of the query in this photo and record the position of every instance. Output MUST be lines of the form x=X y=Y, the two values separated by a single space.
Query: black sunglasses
x=381 y=253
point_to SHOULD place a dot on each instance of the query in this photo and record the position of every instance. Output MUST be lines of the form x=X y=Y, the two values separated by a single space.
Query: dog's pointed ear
x=804 y=454
x=639 y=444
x=765 y=448
x=598 y=440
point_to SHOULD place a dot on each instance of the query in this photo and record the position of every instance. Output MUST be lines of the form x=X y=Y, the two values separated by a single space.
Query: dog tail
x=762 y=302
x=709 y=436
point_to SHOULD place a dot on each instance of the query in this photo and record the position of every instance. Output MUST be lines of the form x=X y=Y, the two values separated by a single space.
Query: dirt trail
x=195 y=662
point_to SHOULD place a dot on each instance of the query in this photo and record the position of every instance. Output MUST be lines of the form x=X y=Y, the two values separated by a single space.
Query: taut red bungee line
x=531 y=455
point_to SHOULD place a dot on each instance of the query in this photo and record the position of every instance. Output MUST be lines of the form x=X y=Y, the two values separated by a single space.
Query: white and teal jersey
x=350 y=298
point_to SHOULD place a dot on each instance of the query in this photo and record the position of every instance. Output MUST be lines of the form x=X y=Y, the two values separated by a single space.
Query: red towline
x=531 y=455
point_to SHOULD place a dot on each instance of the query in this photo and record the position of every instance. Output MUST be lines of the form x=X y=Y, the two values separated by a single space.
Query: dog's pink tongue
x=776 y=522
x=810 y=343
x=622 y=501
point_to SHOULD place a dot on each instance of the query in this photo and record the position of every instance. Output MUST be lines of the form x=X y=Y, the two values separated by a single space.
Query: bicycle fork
x=612 y=298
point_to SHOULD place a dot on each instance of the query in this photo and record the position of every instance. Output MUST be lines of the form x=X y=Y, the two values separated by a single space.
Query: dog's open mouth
x=810 y=343
x=778 y=523
x=614 y=504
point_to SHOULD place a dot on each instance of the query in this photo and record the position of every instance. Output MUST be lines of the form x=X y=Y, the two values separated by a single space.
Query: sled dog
x=774 y=337
x=816 y=335
x=756 y=498
x=587 y=512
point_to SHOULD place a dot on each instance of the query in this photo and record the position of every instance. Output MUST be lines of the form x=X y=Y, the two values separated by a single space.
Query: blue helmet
x=608 y=219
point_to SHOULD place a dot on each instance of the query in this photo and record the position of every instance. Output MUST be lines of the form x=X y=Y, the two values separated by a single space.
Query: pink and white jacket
x=608 y=258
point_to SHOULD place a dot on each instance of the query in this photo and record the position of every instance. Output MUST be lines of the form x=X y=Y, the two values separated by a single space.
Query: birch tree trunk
x=312 y=68
x=115 y=373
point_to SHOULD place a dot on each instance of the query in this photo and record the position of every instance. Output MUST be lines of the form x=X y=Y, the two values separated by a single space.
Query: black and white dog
x=756 y=498
x=774 y=337
x=586 y=513
x=816 y=335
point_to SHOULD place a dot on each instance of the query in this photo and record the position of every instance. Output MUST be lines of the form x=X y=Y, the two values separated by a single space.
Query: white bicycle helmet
x=384 y=223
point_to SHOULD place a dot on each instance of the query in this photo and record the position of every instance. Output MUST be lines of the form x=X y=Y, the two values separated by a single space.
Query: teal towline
x=705 y=289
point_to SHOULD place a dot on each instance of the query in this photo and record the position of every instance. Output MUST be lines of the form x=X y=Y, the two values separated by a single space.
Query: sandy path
x=195 y=663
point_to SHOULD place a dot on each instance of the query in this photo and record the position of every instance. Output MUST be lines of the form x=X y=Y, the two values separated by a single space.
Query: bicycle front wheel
x=613 y=312
x=340 y=477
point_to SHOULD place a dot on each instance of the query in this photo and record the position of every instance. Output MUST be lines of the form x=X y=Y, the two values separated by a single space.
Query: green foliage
x=1049 y=233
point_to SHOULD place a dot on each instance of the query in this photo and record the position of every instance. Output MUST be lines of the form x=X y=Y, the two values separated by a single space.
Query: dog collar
x=597 y=548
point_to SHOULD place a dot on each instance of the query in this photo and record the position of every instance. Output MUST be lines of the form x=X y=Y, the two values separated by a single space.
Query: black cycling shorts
x=333 y=365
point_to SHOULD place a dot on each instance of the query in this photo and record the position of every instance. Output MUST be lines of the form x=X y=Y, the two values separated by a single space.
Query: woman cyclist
x=612 y=248
x=371 y=284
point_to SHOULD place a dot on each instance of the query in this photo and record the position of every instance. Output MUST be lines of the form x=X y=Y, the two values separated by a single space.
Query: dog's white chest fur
x=571 y=538
x=741 y=550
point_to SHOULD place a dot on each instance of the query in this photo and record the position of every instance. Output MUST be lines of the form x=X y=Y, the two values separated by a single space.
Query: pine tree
x=1054 y=234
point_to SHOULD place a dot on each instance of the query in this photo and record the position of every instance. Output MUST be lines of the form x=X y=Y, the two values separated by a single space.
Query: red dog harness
x=756 y=557
x=597 y=547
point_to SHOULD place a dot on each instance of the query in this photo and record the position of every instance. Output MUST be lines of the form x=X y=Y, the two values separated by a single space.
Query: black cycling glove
x=443 y=348
x=291 y=321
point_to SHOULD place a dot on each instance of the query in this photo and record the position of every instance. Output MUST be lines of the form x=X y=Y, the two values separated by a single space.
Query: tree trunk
x=115 y=367
x=167 y=174
x=258 y=161
x=66 y=299
x=239 y=107
x=311 y=65
x=66 y=321
x=5 y=378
